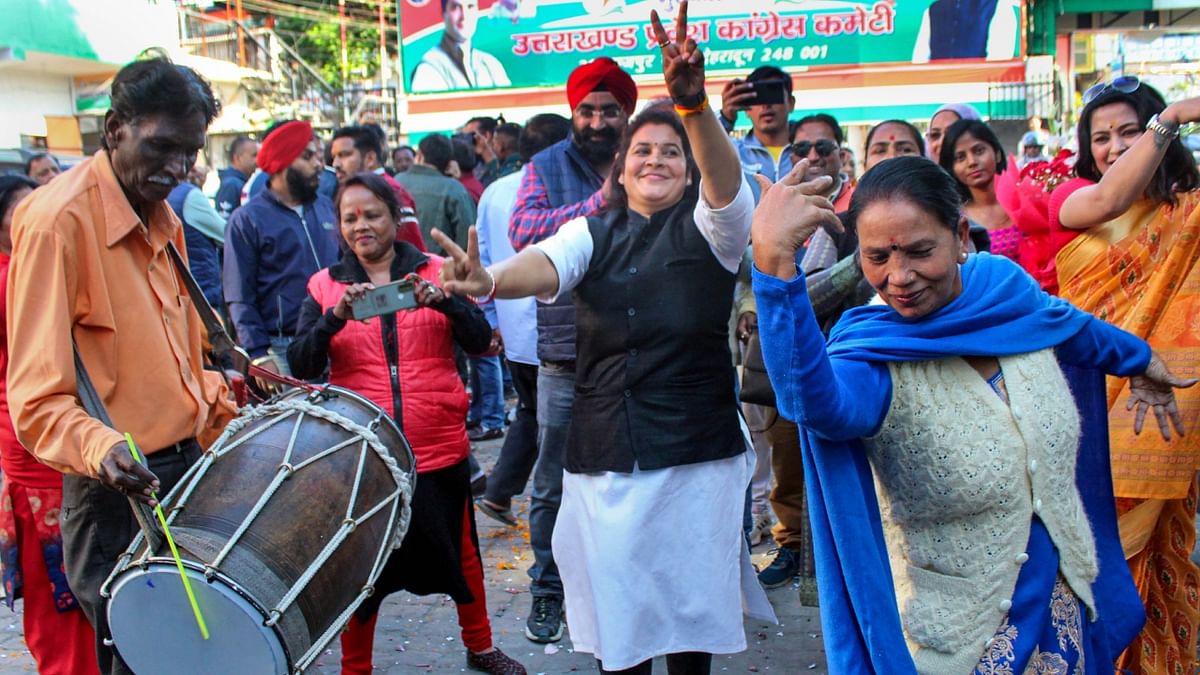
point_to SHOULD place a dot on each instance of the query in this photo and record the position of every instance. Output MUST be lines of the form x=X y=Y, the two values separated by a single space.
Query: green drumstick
x=187 y=585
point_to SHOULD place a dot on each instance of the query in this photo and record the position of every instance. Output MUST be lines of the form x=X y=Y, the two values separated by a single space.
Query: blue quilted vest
x=569 y=179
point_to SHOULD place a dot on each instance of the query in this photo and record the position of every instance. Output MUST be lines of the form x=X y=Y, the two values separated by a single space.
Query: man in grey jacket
x=442 y=202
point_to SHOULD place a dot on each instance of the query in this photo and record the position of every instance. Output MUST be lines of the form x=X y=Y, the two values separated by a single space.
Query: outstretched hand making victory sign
x=462 y=273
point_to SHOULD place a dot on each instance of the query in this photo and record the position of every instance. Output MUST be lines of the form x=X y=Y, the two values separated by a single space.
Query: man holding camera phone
x=766 y=96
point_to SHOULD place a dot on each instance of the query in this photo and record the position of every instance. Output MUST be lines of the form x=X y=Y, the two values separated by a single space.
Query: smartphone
x=386 y=299
x=767 y=92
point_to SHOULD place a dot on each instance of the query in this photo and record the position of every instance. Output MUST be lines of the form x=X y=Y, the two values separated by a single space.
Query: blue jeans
x=487 y=389
x=555 y=396
x=278 y=349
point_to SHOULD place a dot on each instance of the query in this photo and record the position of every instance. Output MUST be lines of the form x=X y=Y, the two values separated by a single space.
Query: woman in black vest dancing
x=657 y=462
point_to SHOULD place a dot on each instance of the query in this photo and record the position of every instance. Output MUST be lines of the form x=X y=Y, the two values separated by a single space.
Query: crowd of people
x=926 y=381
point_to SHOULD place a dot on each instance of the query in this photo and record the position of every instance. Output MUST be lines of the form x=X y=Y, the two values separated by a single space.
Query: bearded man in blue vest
x=567 y=180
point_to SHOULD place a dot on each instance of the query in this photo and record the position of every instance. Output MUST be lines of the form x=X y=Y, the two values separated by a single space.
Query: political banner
x=455 y=45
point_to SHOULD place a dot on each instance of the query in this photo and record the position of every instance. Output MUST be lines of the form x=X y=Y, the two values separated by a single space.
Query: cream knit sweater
x=959 y=476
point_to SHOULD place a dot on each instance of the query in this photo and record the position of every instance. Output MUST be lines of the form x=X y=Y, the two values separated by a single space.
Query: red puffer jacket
x=424 y=390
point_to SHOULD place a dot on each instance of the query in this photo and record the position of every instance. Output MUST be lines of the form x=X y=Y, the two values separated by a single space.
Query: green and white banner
x=451 y=45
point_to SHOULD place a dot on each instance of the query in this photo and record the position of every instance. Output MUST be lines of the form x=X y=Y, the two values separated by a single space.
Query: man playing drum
x=90 y=266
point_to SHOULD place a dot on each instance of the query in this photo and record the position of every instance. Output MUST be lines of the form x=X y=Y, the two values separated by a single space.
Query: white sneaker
x=761 y=528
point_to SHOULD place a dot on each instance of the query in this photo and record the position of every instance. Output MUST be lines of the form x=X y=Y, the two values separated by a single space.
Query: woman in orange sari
x=1136 y=264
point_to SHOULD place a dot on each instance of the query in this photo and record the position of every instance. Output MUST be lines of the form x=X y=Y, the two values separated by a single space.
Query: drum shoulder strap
x=90 y=399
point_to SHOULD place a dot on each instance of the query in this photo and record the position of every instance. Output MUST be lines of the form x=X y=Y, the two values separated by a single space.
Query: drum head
x=155 y=631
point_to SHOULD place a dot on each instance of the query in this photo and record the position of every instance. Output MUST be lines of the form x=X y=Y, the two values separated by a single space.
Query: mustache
x=604 y=135
x=597 y=145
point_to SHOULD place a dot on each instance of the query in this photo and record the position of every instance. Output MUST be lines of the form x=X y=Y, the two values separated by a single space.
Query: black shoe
x=495 y=662
x=782 y=569
x=545 y=622
x=473 y=424
x=485 y=434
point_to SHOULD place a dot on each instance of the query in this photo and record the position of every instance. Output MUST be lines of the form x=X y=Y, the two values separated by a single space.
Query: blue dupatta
x=1001 y=312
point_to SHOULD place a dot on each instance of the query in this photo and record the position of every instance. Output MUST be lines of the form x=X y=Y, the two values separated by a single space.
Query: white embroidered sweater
x=960 y=475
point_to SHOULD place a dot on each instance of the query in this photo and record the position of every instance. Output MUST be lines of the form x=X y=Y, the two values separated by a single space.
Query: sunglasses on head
x=1126 y=84
x=825 y=148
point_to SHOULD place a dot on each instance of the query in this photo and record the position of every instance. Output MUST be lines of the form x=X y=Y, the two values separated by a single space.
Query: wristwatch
x=691 y=101
x=1163 y=129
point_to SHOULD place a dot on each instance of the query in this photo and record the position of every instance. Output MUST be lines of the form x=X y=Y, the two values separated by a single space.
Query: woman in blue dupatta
x=940 y=439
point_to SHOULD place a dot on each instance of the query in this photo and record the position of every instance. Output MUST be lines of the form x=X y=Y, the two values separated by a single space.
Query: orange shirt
x=85 y=266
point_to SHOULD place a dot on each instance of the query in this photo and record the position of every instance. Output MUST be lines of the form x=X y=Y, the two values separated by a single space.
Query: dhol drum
x=283 y=526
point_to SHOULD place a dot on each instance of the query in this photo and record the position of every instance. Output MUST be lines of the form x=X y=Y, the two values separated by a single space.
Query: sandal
x=495 y=512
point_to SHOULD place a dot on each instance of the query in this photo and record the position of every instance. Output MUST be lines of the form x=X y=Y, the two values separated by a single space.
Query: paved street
x=420 y=634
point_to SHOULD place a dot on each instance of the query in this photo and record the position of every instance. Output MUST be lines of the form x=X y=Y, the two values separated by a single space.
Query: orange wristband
x=684 y=111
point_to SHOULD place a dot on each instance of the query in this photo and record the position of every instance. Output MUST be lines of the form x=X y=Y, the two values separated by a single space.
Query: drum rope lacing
x=302 y=407
x=252 y=413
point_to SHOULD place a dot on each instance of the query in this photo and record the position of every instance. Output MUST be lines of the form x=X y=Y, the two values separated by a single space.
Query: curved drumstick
x=187 y=585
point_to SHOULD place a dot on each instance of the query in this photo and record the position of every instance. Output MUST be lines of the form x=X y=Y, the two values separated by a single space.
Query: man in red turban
x=603 y=74
x=283 y=145
x=277 y=240
x=561 y=183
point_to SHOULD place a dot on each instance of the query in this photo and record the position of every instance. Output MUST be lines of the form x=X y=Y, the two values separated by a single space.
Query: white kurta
x=655 y=562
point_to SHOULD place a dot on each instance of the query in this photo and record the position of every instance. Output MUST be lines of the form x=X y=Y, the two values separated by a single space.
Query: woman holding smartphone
x=404 y=363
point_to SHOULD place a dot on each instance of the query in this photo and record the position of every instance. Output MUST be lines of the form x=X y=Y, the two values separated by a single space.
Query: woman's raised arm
x=683 y=70
x=1126 y=180
x=837 y=400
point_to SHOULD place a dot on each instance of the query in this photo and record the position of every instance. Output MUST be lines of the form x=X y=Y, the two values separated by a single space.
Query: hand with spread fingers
x=1154 y=390
x=787 y=215
x=683 y=61
x=462 y=273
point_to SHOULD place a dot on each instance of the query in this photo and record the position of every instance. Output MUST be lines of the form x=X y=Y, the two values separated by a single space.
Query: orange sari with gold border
x=1141 y=272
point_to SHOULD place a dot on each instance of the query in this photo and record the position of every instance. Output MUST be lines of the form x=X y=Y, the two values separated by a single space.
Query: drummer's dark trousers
x=97 y=527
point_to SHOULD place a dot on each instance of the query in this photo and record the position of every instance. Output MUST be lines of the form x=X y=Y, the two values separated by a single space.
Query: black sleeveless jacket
x=654 y=381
